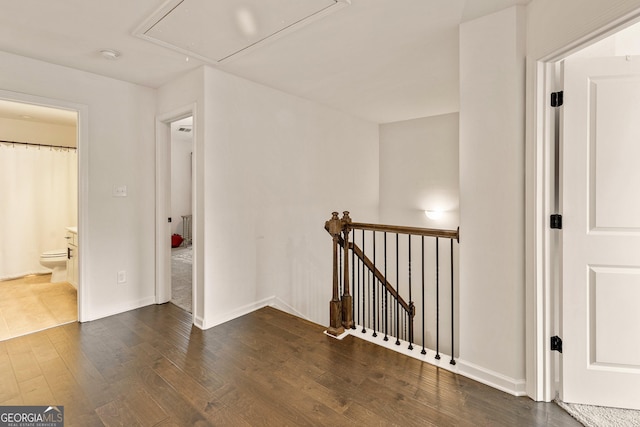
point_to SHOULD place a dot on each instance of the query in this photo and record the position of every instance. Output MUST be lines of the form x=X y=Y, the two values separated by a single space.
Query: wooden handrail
x=341 y=310
x=378 y=274
x=432 y=232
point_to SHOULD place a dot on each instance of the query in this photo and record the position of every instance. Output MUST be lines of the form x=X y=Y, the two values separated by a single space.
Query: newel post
x=334 y=226
x=347 y=303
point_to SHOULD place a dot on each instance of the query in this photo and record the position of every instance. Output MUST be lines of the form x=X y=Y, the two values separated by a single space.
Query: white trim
x=601 y=33
x=283 y=306
x=272 y=301
x=82 y=128
x=403 y=348
x=491 y=378
x=198 y=322
x=238 y=312
x=121 y=308
x=539 y=178
x=338 y=337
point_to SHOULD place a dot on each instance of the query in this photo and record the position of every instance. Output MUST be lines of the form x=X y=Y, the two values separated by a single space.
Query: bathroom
x=38 y=218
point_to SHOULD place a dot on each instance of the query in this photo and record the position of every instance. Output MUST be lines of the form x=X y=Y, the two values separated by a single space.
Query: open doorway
x=181 y=213
x=38 y=217
x=177 y=127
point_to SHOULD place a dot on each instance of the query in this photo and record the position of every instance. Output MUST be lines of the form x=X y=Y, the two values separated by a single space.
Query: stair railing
x=363 y=293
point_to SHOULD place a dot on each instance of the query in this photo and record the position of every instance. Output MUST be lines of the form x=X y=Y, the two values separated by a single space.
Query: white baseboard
x=238 y=312
x=198 y=321
x=469 y=370
x=271 y=301
x=93 y=314
x=403 y=348
x=283 y=306
x=493 y=379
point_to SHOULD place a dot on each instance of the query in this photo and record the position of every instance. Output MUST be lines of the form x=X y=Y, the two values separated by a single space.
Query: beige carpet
x=30 y=304
x=601 y=416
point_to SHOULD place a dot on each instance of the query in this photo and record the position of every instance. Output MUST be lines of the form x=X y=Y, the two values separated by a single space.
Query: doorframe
x=542 y=309
x=163 y=205
x=82 y=135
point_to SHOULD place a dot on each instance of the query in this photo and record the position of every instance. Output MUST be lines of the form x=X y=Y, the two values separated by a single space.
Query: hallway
x=151 y=366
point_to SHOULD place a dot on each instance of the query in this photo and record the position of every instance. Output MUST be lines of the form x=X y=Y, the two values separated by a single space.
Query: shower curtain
x=38 y=200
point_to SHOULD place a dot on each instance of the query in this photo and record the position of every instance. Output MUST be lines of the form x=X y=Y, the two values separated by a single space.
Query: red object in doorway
x=176 y=240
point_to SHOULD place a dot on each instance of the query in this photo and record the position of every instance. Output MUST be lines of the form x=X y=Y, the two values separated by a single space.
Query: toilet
x=56 y=260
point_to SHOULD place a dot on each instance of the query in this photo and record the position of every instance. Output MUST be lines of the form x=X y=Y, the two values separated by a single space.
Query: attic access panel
x=216 y=31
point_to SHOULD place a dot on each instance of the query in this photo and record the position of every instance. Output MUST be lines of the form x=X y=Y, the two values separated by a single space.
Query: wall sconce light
x=435 y=215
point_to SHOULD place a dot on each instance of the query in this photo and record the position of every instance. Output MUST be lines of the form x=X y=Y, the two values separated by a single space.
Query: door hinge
x=557 y=99
x=556 y=344
x=556 y=221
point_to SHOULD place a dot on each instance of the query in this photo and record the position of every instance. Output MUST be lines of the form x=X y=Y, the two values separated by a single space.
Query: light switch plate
x=119 y=191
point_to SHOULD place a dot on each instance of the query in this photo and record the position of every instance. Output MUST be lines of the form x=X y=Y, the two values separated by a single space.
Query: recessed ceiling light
x=110 y=54
x=246 y=22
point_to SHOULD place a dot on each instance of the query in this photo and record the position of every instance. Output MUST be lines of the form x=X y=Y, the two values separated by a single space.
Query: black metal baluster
x=389 y=312
x=437 y=301
x=353 y=278
x=385 y=309
x=452 y=362
x=375 y=308
x=364 y=312
x=409 y=315
x=405 y=323
x=396 y=314
x=424 y=351
x=397 y=290
x=370 y=311
x=340 y=266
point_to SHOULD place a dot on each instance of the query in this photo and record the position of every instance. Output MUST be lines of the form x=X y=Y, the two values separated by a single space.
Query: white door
x=601 y=232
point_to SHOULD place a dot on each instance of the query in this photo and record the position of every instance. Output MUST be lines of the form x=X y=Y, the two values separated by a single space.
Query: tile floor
x=32 y=303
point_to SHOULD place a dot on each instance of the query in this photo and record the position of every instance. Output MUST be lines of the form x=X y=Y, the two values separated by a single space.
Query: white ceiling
x=382 y=60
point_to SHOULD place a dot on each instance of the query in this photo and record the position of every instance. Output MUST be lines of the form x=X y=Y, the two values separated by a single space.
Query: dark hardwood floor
x=151 y=367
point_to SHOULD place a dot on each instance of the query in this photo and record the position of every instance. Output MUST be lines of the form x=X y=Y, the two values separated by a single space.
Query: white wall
x=419 y=171
x=119 y=232
x=491 y=198
x=276 y=166
x=37 y=132
x=270 y=169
